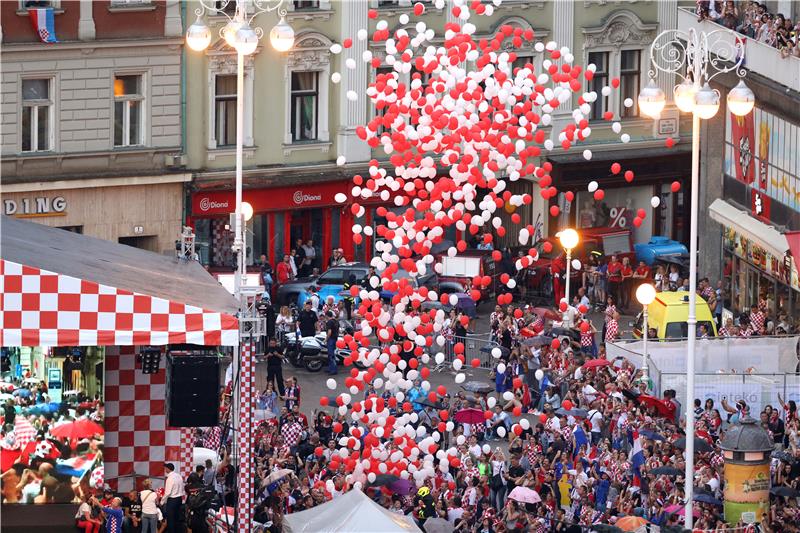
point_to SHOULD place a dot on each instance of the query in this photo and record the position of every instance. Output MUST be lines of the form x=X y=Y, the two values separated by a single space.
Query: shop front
x=281 y=217
x=142 y=212
x=654 y=171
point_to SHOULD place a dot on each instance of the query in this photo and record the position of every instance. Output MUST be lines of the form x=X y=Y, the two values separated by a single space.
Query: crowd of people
x=754 y=20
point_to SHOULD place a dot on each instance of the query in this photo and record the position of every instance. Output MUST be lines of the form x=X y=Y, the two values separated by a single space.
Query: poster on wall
x=742 y=130
x=52 y=435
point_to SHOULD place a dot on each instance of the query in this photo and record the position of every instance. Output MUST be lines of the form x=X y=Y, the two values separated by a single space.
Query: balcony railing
x=759 y=57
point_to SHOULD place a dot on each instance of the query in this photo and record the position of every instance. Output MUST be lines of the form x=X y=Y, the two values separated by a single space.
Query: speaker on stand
x=192 y=389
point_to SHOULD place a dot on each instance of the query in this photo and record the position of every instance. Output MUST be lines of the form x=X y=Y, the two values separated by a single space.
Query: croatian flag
x=77 y=466
x=43 y=24
x=637 y=459
x=580 y=439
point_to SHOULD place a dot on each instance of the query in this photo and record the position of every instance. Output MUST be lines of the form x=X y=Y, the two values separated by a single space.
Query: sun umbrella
x=575 y=413
x=438 y=525
x=384 y=479
x=667 y=411
x=25 y=393
x=524 y=495
x=666 y=471
x=787 y=492
x=596 y=363
x=707 y=498
x=79 y=429
x=477 y=386
x=630 y=523
x=786 y=457
x=680 y=510
x=277 y=476
x=538 y=341
x=470 y=416
x=401 y=487
x=700 y=445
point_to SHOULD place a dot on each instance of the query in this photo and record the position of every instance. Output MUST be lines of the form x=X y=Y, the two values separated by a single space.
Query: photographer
x=275 y=367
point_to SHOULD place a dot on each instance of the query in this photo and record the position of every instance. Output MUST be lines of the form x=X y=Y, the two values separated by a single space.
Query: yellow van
x=667 y=314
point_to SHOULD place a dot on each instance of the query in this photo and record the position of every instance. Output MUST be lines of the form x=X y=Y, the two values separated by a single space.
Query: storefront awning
x=64 y=289
x=740 y=220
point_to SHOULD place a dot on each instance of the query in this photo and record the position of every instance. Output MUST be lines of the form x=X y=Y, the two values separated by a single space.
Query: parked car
x=668 y=315
x=329 y=282
x=657 y=248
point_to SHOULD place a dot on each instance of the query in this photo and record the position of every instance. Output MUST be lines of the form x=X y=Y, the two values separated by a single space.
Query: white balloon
x=501 y=368
x=508 y=395
x=461 y=439
x=352 y=96
x=655 y=201
x=336 y=48
x=501 y=431
x=576 y=264
x=616 y=127
x=340 y=198
x=486 y=449
x=497 y=353
x=341 y=160
x=491 y=402
x=628 y=102
x=331 y=383
x=457 y=364
x=592 y=186
x=460 y=377
x=525 y=423
x=336 y=77
x=539 y=374
x=587 y=154
x=625 y=138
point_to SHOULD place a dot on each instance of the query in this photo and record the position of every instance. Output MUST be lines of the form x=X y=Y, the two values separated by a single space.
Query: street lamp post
x=240 y=35
x=703 y=59
x=645 y=294
x=569 y=239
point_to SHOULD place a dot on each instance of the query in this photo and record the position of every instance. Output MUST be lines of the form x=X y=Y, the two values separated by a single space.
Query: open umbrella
x=524 y=495
x=470 y=416
x=384 y=479
x=277 y=475
x=438 y=525
x=477 y=386
x=666 y=471
x=79 y=429
x=680 y=510
x=596 y=363
x=401 y=486
x=575 y=413
x=662 y=408
x=538 y=341
x=707 y=498
x=787 y=492
x=786 y=457
x=630 y=523
x=489 y=347
x=700 y=445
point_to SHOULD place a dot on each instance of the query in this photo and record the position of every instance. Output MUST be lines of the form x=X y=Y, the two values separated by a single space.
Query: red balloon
x=554 y=210
x=542 y=418
x=419 y=8
x=582 y=308
x=599 y=194
x=347 y=43
x=615 y=82
x=629 y=176
x=615 y=168
x=555 y=344
x=584 y=327
x=476 y=363
x=641 y=213
x=562 y=306
x=567 y=404
x=637 y=221
x=676 y=186
x=569 y=195
x=517 y=429
x=547 y=247
x=669 y=142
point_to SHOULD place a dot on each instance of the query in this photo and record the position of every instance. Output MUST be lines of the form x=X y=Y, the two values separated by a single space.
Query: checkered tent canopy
x=63 y=289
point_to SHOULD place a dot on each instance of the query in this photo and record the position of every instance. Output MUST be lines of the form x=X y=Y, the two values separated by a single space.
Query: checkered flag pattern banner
x=137 y=439
x=246 y=444
x=221 y=242
x=41 y=308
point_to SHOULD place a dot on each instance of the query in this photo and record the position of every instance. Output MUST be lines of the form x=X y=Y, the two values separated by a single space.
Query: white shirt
x=173 y=487
x=595 y=417
x=148 y=498
x=454 y=514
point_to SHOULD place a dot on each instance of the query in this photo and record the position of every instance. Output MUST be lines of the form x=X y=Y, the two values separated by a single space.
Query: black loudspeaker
x=192 y=390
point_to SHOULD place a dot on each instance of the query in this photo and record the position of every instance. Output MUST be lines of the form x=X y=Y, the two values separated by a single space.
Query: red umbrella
x=596 y=363
x=80 y=429
x=470 y=416
x=663 y=408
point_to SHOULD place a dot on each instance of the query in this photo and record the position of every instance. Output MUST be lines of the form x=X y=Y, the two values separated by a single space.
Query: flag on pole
x=637 y=459
x=580 y=439
x=77 y=466
x=44 y=24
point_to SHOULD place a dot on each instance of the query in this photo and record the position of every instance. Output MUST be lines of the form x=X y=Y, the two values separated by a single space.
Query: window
x=128 y=110
x=36 y=115
x=225 y=110
x=34 y=4
x=629 y=72
x=306 y=4
x=334 y=276
x=388 y=3
x=600 y=80
x=380 y=112
x=305 y=102
x=228 y=6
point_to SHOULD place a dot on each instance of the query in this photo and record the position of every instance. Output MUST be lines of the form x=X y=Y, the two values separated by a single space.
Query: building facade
x=91 y=124
x=750 y=175
x=298 y=121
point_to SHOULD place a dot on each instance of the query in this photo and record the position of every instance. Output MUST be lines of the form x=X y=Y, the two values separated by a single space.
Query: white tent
x=352 y=512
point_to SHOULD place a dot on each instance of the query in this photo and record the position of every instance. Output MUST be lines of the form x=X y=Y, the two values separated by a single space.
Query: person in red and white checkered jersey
x=757 y=320
x=292 y=431
x=612 y=328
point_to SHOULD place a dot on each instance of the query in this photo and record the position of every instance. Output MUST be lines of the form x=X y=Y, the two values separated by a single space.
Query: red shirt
x=284 y=272
x=627 y=271
x=615 y=271
x=643 y=271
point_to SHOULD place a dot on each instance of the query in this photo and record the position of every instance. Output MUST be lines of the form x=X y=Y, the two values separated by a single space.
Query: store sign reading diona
x=33 y=207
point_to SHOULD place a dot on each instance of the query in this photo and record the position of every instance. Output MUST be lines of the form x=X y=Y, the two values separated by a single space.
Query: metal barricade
x=478 y=346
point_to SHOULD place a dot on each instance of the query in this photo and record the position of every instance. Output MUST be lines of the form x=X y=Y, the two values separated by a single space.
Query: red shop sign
x=760 y=204
x=277 y=198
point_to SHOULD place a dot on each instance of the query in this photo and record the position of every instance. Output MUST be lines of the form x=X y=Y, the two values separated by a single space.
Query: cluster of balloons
x=458 y=122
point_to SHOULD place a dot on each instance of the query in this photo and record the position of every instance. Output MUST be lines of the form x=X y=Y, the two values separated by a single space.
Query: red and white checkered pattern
x=24 y=432
x=137 y=439
x=42 y=308
x=186 y=452
x=246 y=444
x=221 y=242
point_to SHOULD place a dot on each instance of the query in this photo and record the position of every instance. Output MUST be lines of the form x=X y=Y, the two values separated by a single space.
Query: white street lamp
x=282 y=36
x=569 y=239
x=240 y=35
x=697 y=58
x=645 y=294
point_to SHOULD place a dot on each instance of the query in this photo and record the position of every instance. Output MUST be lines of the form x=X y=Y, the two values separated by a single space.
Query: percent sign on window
x=618 y=217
